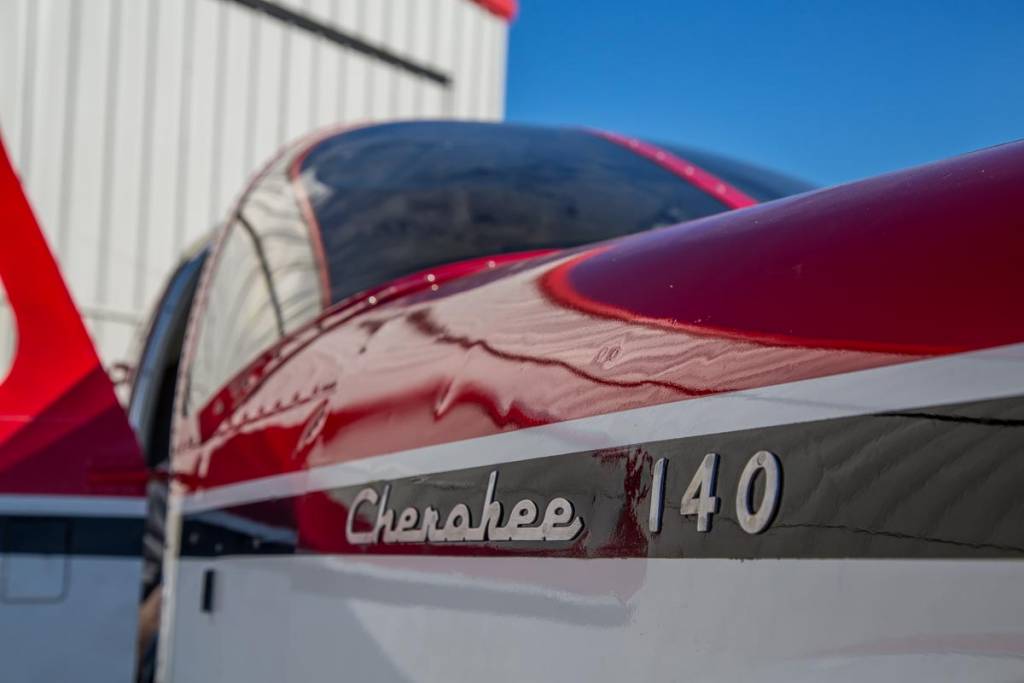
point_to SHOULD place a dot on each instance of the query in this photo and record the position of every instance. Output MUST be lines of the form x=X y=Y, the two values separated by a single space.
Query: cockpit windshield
x=396 y=199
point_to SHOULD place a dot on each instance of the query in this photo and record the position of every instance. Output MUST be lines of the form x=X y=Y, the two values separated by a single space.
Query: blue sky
x=828 y=91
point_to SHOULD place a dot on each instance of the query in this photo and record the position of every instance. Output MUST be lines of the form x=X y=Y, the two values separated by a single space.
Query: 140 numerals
x=700 y=499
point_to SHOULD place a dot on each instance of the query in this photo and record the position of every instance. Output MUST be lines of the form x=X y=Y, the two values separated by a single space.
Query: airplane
x=446 y=400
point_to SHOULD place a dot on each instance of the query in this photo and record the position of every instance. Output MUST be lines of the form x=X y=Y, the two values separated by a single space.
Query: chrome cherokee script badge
x=558 y=524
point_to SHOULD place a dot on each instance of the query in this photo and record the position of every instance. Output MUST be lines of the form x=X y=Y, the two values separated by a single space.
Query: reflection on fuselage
x=8 y=334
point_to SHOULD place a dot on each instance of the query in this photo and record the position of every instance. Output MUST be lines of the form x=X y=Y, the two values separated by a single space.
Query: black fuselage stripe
x=71 y=535
x=940 y=482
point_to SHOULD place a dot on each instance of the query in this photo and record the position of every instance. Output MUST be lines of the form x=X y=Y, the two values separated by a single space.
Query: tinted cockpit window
x=395 y=199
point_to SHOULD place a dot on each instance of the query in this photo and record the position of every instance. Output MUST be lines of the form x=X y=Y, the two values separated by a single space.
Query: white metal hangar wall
x=134 y=123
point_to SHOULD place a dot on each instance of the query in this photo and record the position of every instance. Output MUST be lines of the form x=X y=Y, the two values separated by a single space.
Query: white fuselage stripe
x=73 y=506
x=974 y=376
x=422 y=618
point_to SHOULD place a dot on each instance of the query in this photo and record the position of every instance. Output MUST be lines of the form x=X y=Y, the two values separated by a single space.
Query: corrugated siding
x=135 y=123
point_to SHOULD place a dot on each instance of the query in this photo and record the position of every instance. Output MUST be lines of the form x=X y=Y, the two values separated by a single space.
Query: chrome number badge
x=755 y=520
x=700 y=499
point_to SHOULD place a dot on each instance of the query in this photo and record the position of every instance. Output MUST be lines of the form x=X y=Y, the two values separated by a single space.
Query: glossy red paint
x=908 y=265
x=704 y=180
x=223 y=405
x=62 y=430
x=922 y=262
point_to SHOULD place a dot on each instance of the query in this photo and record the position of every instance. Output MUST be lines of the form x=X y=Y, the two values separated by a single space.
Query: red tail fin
x=61 y=426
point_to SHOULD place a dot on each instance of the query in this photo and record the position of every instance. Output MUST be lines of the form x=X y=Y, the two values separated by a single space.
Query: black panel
x=65 y=535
